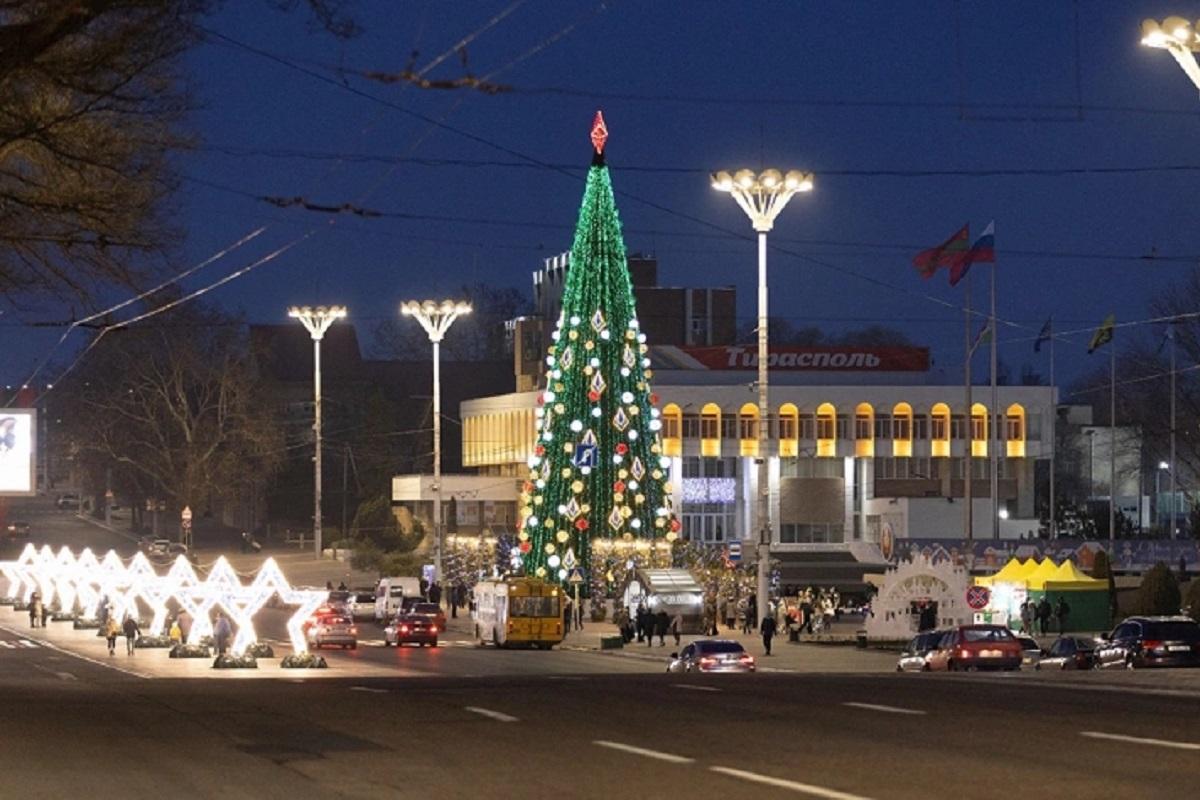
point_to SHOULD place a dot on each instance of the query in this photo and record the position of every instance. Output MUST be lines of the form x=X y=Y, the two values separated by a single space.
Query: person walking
x=1062 y=611
x=767 y=628
x=35 y=609
x=677 y=627
x=1027 y=617
x=1043 y=613
x=184 y=620
x=662 y=623
x=568 y=615
x=730 y=613
x=175 y=634
x=579 y=615
x=641 y=623
x=752 y=613
x=111 y=630
x=131 y=630
x=221 y=633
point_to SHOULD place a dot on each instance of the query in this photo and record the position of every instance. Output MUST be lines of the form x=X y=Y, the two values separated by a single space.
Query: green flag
x=1103 y=334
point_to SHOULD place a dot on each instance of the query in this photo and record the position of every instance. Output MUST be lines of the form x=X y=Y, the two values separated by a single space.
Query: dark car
x=970 y=647
x=431 y=610
x=915 y=657
x=1150 y=642
x=1069 y=652
x=17 y=530
x=712 y=655
x=405 y=628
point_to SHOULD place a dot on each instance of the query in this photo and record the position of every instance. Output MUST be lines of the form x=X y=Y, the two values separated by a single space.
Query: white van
x=390 y=594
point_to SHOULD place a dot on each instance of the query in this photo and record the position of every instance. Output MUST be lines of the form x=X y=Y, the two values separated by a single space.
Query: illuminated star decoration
x=599 y=133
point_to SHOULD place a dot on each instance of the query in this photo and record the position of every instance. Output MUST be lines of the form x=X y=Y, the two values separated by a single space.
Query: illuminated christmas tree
x=598 y=490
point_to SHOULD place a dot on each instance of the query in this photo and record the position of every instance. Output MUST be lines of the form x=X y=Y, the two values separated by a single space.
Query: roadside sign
x=978 y=597
x=576 y=577
x=735 y=552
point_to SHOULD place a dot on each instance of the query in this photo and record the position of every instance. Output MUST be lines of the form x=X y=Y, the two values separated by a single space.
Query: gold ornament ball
x=537 y=501
x=640 y=498
x=585 y=508
x=559 y=408
x=566 y=472
x=618 y=497
x=568 y=447
x=573 y=335
x=562 y=536
x=577 y=487
x=671 y=536
x=549 y=548
x=523 y=536
x=588 y=370
x=540 y=572
x=558 y=387
x=589 y=345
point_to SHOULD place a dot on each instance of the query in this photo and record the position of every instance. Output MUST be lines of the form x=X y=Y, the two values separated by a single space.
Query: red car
x=970 y=647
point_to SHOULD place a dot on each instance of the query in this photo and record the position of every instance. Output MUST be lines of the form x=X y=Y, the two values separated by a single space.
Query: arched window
x=1014 y=430
x=748 y=430
x=826 y=430
x=789 y=431
x=902 y=430
x=979 y=430
x=672 y=430
x=710 y=430
x=939 y=430
x=864 y=431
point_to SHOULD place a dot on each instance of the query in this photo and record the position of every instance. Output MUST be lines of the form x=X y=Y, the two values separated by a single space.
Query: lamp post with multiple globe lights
x=1178 y=37
x=762 y=196
x=316 y=321
x=436 y=318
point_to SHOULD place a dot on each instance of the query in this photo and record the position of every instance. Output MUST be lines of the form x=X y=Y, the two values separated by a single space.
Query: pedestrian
x=1062 y=611
x=752 y=612
x=1027 y=617
x=567 y=617
x=184 y=620
x=677 y=627
x=768 y=632
x=435 y=592
x=579 y=615
x=341 y=586
x=662 y=623
x=245 y=542
x=131 y=630
x=111 y=631
x=221 y=633
x=743 y=612
x=1043 y=613
x=455 y=598
x=640 y=622
x=35 y=609
x=806 y=610
x=175 y=634
x=329 y=586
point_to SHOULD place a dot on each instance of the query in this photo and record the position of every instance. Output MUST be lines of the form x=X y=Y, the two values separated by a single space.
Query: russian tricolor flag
x=983 y=251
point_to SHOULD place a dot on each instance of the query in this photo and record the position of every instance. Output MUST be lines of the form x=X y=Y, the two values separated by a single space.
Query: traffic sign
x=569 y=560
x=978 y=597
x=735 y=552
x=576 y=577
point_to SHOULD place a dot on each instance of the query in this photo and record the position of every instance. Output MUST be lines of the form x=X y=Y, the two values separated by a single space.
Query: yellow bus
x=519 y=612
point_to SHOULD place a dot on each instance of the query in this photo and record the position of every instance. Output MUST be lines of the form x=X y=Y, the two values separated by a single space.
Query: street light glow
x=764 y=195
x=1178 y=37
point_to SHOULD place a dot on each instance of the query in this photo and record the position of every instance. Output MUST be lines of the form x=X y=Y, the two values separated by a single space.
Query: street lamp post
x=316 y=321
x=1177 y=36
x=1162 y=465
x=436 y=318
x=762 y=197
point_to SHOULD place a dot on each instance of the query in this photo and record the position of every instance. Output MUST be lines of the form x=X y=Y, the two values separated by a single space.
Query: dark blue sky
x=845 y=90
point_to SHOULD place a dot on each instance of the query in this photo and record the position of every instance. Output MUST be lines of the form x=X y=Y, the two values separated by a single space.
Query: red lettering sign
x=797 y=359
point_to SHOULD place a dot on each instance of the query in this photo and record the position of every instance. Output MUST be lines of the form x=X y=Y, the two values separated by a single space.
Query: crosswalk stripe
x=28 y=643
x=9 y=645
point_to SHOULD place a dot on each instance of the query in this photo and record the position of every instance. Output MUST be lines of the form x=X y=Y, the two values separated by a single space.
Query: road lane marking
x=1116 y=737
x=696 y=688
x=28 y=643
x=885 y=709
x=795 y=786
x=8 y=645
x=66 y=676
x=499 y=716
x=368 y=689
x=97 y=662
x=641 y=751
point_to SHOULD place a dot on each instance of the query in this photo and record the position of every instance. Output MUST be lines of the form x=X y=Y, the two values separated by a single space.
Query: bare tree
x=176 y=408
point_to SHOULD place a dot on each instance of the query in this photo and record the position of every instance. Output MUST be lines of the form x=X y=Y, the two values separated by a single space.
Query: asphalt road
x=49 y=525
x=571 y=726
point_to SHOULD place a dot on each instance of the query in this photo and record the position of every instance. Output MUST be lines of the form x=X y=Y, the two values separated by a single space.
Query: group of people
x=38 y=611
x=644 y=624
x=572 y=616
x=1037 y=614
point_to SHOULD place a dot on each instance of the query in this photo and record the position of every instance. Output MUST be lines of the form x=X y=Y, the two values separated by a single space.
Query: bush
x=1159 y=592
x=1191 y=602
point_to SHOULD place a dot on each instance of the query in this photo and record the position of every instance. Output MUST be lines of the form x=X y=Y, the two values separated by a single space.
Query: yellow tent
x=1045 y=571
x=1069 y=573
x=1009 y=573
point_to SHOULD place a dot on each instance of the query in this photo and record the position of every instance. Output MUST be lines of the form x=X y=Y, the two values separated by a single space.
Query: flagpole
x=993 y=424
x=1112 y=445
x=1171 y=505
x=968 y=522
x=1053 y=437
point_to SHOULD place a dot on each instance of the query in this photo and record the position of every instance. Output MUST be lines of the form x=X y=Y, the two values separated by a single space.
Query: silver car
x=915 y=657
x=335 y=631
x=1031 y=651
x=712 y=655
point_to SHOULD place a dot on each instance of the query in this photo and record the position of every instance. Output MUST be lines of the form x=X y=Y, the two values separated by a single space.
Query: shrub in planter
x=303 y=661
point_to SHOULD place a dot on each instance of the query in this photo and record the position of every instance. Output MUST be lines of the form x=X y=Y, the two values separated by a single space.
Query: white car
x=362 y=604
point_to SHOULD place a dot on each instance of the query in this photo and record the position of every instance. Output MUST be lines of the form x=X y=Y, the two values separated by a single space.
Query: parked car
x=431 y=610
x=362 y=604
x=915 y=657
x=712 y=655
x=1031 y=651
x=17 y=530
x=970 y=647
x=333 y=630
x=1069 y=652
x=67 y=502
x=1150 y=642
x=406 y=628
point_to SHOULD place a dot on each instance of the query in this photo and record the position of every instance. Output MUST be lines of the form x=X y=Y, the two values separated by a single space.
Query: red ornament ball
x=540 y=450
x=541 y=399
x=581 y=524
x=675 y=525
x=619 y=486
x=622 y=448
x=525 y=547
x=593 y=396
x=653 y=398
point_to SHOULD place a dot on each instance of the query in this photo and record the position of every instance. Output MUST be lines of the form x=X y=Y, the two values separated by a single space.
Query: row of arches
x=822 y=427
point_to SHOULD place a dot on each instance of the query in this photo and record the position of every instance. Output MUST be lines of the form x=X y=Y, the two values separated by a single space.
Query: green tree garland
x=598 y=482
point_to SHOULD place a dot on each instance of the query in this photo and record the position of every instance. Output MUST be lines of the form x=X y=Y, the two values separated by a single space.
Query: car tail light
x=707 y=661
x=404 y=629
x=747 y=659
x=964 y=653
x=1152 y=645
x=354 y=630
x=433 y=628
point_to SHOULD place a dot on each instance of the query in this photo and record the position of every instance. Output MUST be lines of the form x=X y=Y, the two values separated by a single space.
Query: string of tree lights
x=597 y=475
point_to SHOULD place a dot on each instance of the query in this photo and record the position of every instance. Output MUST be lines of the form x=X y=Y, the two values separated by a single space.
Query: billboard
x=788 y=358
x=18 y=427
